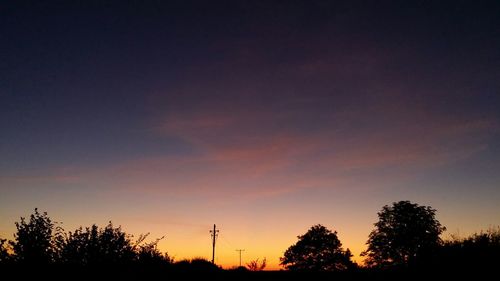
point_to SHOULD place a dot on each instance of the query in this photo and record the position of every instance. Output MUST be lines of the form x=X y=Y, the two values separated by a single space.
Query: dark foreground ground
x=54 y=273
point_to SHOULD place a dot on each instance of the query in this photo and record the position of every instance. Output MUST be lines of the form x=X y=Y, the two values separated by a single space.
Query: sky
x=263 y=117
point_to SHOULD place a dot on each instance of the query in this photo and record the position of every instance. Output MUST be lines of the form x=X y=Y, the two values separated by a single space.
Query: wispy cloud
x=249 y=152
x=262 y=152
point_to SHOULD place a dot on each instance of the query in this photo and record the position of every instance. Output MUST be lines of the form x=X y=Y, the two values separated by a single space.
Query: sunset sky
x=263 y=117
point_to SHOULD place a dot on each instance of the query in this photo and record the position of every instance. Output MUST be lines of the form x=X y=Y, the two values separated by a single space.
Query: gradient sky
x=262 y=117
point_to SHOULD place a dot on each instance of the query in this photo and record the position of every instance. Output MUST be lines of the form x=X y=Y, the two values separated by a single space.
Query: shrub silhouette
x=4 y=251
x=317 y=250
x=477 y=251
x=94 y=245
x=404 y=232
x=255 y=265
x=148 y=253
x=196 y=265
x=38 y=240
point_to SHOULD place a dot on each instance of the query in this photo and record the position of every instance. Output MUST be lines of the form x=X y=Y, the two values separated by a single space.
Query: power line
x=240 y=250
x=223 y=239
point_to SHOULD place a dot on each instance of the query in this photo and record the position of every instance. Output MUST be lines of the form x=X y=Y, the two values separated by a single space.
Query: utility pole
x=214 y=234
x=240 y=250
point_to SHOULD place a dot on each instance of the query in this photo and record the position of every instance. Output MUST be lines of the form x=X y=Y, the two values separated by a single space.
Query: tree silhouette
x=317 y=250
x=37 y=241
x=404 y=231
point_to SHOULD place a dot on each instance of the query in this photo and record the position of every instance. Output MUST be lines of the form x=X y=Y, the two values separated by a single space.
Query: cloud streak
x=250 y=150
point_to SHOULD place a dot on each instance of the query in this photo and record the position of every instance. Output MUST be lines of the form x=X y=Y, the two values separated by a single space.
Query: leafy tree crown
x=319 y=249
x=403 y=232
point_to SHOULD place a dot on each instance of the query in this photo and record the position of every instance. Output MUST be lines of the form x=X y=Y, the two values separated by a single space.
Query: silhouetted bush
x=110 y=245
x=5 y=256
x=479 y=251
x=255 y=265
x=196 y=265
x=38 y=240
x=239 y=269
x=148 y=253
x=93 y=245
x=317 y=250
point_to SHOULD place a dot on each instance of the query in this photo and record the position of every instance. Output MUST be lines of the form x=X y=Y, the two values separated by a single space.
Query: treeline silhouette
x=41 y=241
x=406 y=239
